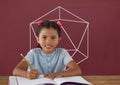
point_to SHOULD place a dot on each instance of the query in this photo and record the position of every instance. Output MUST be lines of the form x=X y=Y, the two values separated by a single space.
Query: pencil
x=31 y=67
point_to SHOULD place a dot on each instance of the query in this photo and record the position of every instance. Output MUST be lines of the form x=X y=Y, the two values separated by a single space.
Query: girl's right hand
x=33 y=74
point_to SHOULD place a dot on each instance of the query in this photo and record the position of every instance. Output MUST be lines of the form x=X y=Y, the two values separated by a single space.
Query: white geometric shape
x=78 y=20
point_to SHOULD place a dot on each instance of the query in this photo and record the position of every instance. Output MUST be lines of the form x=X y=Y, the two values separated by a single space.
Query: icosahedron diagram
x=75 y=32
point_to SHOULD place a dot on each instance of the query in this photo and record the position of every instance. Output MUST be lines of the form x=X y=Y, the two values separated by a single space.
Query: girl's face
x=48 y=39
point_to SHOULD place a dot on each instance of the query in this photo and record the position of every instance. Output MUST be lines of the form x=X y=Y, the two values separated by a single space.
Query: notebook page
x=77 y=79
x=12 y=80
x=39 y=81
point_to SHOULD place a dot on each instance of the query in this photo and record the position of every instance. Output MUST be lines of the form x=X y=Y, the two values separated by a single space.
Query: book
x=73 y=80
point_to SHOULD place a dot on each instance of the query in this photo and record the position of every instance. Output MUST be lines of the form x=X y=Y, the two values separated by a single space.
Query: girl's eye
x=44 y=37
x=53 y=37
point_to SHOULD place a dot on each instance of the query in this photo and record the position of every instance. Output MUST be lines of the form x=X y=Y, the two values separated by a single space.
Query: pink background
x=104 y=19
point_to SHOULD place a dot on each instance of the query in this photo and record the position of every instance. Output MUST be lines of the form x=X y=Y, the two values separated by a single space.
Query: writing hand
x=33 y=74
x=52 y=75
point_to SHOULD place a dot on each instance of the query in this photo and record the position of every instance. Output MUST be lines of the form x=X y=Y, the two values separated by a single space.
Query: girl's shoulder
x=34 y=50
x=62 y=50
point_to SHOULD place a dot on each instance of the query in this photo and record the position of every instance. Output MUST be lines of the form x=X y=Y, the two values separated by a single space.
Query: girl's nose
x=48 y=41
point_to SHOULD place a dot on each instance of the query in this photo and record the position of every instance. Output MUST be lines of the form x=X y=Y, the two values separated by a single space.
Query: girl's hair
x=48 y=24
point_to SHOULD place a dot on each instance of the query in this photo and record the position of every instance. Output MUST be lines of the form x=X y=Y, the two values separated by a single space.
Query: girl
x=48 y=60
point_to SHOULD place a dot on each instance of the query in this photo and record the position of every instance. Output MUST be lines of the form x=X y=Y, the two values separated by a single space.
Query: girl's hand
x=33 y=74
x=52 y=75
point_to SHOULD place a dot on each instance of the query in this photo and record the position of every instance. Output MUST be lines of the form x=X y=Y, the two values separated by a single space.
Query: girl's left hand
x=52 y=75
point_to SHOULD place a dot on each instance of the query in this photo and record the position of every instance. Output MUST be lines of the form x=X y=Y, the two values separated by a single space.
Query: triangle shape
x=74 y=31
x=67 y=15
x=51 y=15
x=65 y=42
x=83 y=47
x=78 y=57
x=71 y=52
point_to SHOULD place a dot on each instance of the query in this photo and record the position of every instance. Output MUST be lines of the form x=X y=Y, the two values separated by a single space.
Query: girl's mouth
x=48 y=46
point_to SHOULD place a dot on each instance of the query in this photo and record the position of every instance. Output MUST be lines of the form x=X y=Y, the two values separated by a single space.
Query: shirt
x=48 y=63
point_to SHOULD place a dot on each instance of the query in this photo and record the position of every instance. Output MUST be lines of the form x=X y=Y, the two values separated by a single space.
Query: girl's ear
x=59 y=39
x=37 y=39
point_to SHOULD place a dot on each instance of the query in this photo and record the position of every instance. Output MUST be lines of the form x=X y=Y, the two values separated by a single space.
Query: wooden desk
x=96 y=80
x=104 y=80
x=4 y=80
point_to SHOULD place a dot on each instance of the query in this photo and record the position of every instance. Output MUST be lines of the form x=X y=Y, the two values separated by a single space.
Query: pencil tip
x=21 y=54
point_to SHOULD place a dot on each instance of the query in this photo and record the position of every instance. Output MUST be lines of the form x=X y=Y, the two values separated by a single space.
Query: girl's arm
x=21 y=70
x=72 y=70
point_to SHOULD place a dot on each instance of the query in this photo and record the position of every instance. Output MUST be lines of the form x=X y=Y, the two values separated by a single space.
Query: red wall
x=104 y=19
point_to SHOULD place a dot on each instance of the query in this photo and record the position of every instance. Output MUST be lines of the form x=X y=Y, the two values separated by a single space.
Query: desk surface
x=96 y=80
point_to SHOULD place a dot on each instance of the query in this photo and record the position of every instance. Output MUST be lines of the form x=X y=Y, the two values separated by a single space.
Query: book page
x=38 y=81
x=12 y=80
x=16 y=80
x=74 y=79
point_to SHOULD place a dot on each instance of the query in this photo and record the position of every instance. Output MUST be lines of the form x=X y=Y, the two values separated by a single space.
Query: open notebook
x=74 y=80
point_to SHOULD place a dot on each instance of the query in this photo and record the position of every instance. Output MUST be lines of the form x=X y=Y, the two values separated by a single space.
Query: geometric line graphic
x=78 y=46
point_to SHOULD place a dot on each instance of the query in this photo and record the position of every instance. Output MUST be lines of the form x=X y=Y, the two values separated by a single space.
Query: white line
x=33 y=32
x=82 y=60
x=68 y=37
x=45 y=14
x=31 y=29
x=59 y=13
x=82 y=54
x=73 y=14
x=74 y=53
x=88 y=40
x=55 y=19
x=82 y=38
x=33 y=23
x=72 y=21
